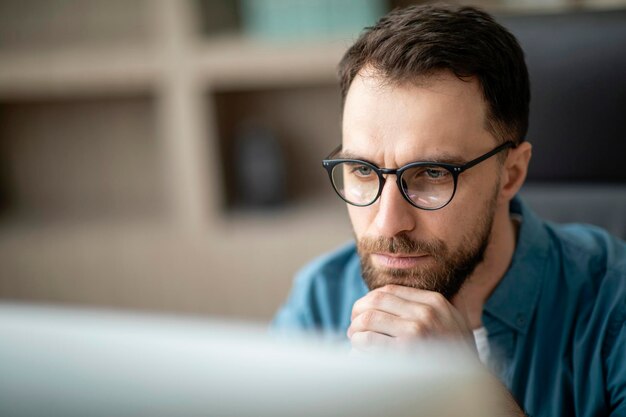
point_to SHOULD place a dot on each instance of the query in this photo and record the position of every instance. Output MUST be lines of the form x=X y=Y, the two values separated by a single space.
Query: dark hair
x=421 y=40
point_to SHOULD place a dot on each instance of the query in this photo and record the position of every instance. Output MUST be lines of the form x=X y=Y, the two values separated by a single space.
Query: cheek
x=438 y=225
x=361 y=219
x=464 y=216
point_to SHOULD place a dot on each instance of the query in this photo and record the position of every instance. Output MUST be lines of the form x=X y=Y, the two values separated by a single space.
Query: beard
x=451 y=268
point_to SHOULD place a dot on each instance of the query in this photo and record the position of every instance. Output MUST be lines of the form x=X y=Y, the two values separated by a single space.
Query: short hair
x=419 y=41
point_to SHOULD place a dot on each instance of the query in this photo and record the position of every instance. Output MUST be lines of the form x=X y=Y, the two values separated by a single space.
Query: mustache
x=400 y=244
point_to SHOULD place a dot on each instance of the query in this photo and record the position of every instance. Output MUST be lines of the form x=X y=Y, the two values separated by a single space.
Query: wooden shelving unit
x=181 y=247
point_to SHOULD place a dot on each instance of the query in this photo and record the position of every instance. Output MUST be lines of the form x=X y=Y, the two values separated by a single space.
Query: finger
x=389 y=303
x=390 y=325
x=432 y=298
x=383 y=301
x=370 y=341
x=443 y=308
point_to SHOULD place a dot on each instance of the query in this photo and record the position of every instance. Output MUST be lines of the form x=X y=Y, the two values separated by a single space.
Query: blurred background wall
x=164 y=155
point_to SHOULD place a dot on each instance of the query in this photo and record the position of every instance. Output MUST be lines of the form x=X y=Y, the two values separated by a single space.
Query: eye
x=436 y=173
x=361 y=170
x=431 y=174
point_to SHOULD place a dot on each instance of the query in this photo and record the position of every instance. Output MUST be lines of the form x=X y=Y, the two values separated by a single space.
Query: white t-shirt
x=482 y=344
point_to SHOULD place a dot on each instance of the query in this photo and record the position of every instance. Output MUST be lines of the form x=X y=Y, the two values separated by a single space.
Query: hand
x=395 y=316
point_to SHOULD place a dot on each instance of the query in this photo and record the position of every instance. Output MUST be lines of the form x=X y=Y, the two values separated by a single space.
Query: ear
x=514 y=171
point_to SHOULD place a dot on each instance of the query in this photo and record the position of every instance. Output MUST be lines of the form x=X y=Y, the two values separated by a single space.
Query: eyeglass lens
x=427 y=186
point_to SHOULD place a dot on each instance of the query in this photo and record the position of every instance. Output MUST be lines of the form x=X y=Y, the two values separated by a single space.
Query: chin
x=421 y=280
x=447 y=284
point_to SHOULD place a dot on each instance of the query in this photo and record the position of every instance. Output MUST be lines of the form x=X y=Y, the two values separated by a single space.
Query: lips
x=398 y=261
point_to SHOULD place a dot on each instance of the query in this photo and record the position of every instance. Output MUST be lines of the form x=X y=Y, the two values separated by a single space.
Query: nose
x=395 y=215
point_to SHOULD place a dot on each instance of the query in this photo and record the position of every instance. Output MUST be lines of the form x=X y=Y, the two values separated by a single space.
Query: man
x=434 y=122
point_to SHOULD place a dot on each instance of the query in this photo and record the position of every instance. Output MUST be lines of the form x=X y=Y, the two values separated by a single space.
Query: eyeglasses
x=425 y=185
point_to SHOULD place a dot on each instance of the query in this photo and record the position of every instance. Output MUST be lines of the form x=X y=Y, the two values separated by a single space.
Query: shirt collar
x=514 y=299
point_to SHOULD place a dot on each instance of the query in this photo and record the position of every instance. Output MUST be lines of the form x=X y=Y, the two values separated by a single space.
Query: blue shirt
x=556 y=322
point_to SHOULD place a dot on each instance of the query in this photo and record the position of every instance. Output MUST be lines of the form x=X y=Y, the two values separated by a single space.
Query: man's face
x=439 y=119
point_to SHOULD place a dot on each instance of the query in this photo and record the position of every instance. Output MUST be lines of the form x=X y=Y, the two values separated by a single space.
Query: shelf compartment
x=305 y=122
x=79 y=159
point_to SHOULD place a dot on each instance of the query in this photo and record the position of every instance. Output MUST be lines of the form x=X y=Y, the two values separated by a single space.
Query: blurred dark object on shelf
x=303 y=117
x=577 y=65
x=219 y=16
x=259 y=167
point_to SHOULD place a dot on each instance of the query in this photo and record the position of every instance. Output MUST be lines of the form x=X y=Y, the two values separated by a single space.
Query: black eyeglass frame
x=329 y=164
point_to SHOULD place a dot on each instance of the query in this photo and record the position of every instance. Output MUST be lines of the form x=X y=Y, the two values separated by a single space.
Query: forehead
x=422 y=120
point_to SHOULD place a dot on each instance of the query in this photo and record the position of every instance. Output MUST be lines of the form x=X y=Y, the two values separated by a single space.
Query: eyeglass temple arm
x=488 y=155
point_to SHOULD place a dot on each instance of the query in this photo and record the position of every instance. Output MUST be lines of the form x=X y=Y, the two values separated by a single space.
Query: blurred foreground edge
x=78 y=362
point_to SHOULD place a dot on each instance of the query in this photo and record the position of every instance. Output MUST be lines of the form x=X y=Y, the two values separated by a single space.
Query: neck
x=472 y=297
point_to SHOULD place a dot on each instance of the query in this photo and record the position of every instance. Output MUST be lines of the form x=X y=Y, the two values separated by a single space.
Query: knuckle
x=416 y=329
x=437 y=300
x=427 y=313
x=368 y=318
x=378 y=298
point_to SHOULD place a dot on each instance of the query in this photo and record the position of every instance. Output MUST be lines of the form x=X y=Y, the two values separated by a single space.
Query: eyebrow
x=444 y=158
